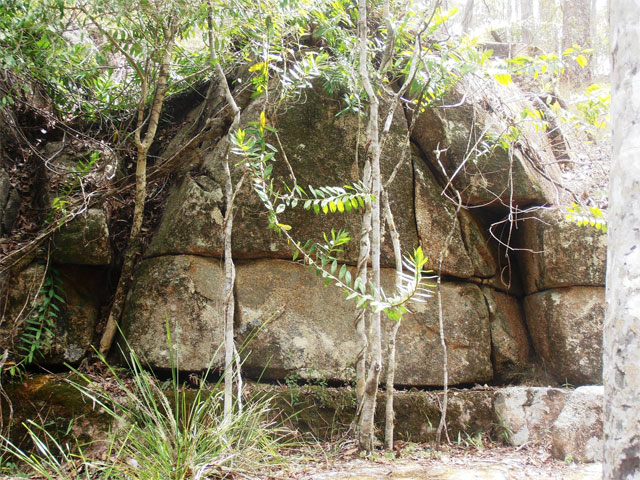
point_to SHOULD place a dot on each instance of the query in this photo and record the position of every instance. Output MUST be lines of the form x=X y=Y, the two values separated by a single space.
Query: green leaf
x=343 y=270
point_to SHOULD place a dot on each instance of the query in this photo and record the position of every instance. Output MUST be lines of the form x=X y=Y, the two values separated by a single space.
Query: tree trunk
x=230 y=352
x=526 y=21
x=389 y=418
x=361 y=315
x=468 y=17
x=229 y=300
x=142 y=146
x=130 y=254
x=367 y=411
x=576 y=30
x=622 y=319
x=593 y=22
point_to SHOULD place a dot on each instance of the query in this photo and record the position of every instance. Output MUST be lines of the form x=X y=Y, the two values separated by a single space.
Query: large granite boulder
x=84 y=240
x=509 y=340
x=434 y=217
x=577 y=432
x=558 y=253
x=566 y=330
x=182 y=296
x=296 y=326
x=329 y=157
x=192 y=220
x=481 y=250
x=526 y=414
x=462 y=136
x=82 y=290
x=288 y=323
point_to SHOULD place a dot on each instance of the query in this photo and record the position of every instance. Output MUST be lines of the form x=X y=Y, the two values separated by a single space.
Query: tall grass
x=173 y=434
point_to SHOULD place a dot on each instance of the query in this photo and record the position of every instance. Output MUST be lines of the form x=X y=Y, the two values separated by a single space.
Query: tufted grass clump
x=158 y=434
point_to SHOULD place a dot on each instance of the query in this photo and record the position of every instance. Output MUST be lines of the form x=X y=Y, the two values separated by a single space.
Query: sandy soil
x=451 y=463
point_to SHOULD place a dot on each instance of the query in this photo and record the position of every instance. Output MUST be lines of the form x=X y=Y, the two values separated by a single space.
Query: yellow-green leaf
x=582 y=61
x=503 y=78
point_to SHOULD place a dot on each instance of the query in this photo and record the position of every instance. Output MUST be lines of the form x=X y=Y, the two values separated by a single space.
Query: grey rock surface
x=565 y=325
x=185 y=294
x=84 y=240
x=461 y=136
x=526 y=414
x=305 y=329
x=558 y=253
x=328 y=157
x=509 y=341
x=577 y=432
x=83 y=291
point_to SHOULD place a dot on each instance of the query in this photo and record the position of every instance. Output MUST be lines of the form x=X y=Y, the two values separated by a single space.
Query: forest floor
x=419 y=462
x=416 y=462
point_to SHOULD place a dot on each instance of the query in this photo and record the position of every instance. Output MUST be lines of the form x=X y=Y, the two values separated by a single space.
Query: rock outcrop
x=509 y=340
x=566 y=330
x=556 y=253
x=526 y=414
x=320 y=159
x=84 y=240
x=467 y=134
x=577 y=432
x=181 y=296
x=75 y=321
x=548 y=312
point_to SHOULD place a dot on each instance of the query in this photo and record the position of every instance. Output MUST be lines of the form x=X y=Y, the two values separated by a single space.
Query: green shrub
x=158 y=434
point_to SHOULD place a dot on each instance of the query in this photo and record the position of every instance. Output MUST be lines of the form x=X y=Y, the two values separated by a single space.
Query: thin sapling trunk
x=367 y=412
x=230 y=353
x=142 y=146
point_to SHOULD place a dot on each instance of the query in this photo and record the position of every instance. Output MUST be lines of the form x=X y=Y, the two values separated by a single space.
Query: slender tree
x=467 y=19
x=576 y=30
x=156 y=26
x=368 y=406
x=526 y=20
